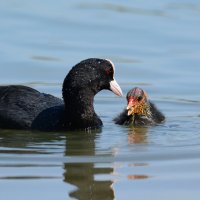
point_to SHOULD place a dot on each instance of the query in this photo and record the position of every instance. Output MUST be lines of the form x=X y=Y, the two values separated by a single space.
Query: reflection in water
x=133 y=177
x=137 y=164
x=137 y=135
x=82 y=175
x=18 y=139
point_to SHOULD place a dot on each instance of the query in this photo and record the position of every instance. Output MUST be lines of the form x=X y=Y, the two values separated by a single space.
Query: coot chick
x=22 y=107
x=140 y=110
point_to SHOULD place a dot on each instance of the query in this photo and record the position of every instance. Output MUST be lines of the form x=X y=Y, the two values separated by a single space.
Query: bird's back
x=20 y=105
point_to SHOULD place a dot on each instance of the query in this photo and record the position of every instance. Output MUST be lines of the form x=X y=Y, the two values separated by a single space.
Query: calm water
x=154 y=45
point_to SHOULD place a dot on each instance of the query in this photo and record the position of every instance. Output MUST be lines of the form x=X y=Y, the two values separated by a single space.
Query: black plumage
x=22 y=107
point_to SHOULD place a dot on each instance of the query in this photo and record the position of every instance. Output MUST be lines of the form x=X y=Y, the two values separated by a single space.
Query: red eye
x=109 y=71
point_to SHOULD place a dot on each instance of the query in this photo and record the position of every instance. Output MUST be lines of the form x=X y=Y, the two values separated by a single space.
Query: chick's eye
x=139 y=98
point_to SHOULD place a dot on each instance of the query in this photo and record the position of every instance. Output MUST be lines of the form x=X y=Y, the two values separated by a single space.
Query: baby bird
x=140 y=110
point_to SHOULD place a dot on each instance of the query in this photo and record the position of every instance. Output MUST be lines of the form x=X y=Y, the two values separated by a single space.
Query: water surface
x=154 y=45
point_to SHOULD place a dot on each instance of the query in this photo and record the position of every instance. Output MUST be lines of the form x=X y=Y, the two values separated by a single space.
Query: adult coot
x=140 y=110
x=22 y=107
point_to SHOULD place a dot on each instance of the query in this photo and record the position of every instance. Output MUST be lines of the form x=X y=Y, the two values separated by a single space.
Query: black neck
x=79 y=109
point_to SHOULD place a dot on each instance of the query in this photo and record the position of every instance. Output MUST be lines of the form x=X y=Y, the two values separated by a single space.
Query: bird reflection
x=137 y=176
x=137 y=135
x=90 y=180
x=82 y=175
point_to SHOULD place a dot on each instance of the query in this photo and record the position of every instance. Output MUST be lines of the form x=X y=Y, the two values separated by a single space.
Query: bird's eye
x=109 y=71
x=139 y=98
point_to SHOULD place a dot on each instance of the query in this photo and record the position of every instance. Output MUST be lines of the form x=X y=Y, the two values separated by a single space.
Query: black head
x=92 y=75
